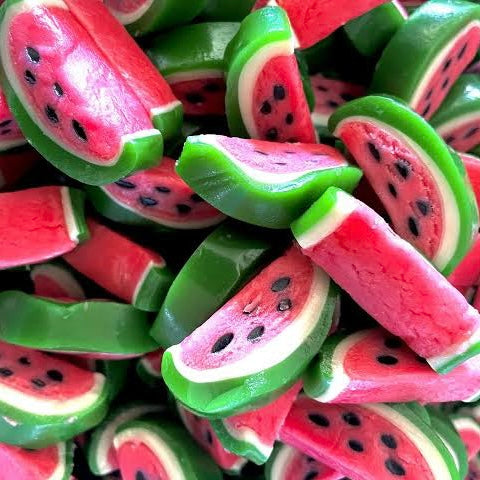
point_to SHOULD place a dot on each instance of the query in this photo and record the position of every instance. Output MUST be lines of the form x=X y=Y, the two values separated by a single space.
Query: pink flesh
x=201 y=97
x=384 y=174
x=123 y=52
x=472 y=166
x=452 y=66
x=81 y=74
x=258 y=299
x=203 y=433
x=34 y=365
x=154 y=359
x=278 y=158
x=464 y=137
x=411 y=379
x=330 y=444
x=467 y=272
x=9 y=130
x=179 y=204
x=112 y=458
x=13 y=165
x=46 y=286
x=125 y=6
x=123 y=262
x=267 y=421
x=302 y=466
x=471 y=439
x=394 y=283
x=282 y=71
x=134 y=457
x=314 y=20
x=21 y=464
x=33 y=226
x=331 y=94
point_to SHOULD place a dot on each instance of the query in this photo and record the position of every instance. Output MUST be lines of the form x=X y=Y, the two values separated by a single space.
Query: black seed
x=212 y=87
x=272 y=134
x=352 y=419
x=162 y=189
x=310 y=459
x=30 y=77
x=195 y=98
x=424 y=207
x=58 y=90
x=51 y=114
x=55 y=375
x=125 y=184
x=392 y=189
x=261 y=153
x=322 y=88
x=447 y=64
x=279 y=163
x=6 y=132
x=449 y=139
x=318 y=419
x=139 y=475
x=355 y=445
x=413 y=226
x=256 y=333
x=209 y=437
x=38 y=382
x=347 y=96
x=280 y=284
x=387 y=359
x=403 y=168
x=266 y=108
x=33 y=55
x=394 y=467
x=426 y=110
x=289 y=118
x=284 y=304
x=445 y=83
x=393 y=343
x=24 y=361
x=222 y=342
x=389 y=441
x=5 y=123
x=373 y=151
x=289 y=152
x=79 y=130
x=429 y=94
x=147 y=201
x=462 y=51
x=333 y=104
x=471 y=132
x=183 y=209
x=279 y=92
x=5 y=372
x=195 y=197
x=311 y=475
x=345 y=478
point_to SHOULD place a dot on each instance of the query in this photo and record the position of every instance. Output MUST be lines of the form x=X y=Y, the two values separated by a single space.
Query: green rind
x=271 y=461
x=196 y=465
x=307 y=84
x=77 y=200
x=146 y=377
x=190 y=48
x=457 y=360
x=226 y=10
x=69 y=453
x=229 y=397
x=262 y=27
x=400 y=117
x=217 y=179
x=418 y=43
x=115 y=372
x=153 y=289
x=169 y=124
x=463 y=99
x=221 y=264
x=88 y=327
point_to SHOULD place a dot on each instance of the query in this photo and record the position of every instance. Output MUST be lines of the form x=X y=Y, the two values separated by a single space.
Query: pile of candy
x=239 y=238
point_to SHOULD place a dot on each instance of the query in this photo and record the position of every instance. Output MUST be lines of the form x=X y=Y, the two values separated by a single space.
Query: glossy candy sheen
x=469 y=431
x=55 y=281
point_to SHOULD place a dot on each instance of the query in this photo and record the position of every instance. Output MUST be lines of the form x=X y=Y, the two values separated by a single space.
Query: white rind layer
x=150 y=266
x=465 y=423
x=446 y=128
x=157 y=445
x=128 y=18
x=193 y=75
x=284 y=457
x=6 y=145
x=149 y=369
x=273 y=352
x=69 y=215
x=62 y=277
x=60 y=469
x=249 y=436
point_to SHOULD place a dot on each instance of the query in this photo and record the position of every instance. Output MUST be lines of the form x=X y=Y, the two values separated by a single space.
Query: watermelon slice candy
x=469 y=431
x=10 y=133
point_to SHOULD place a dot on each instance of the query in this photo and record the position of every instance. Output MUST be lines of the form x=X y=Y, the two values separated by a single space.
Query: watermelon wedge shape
x=471 y=163
x=458 y=118
x=100 y=451
x=50 y=463
x=265 y=99
x=389 y=279
x=142 y=17
x=203 y=433
x=313 y=21
x=10 y=133
x=220 y=265
x=287 y=463
x=435 y=45
x=98 y=328
x=191 y=60
x=421 y=182
x=369 y=441
x=151 y=448
x=469 y=431
x=45 y=400
x=263 y=183
x=149 y=368
x=253 y=434
x=156 y=197
x=39 y=224
x=55 y=281
x=372 y=366
x=131 y=272
x=256 y=346
x=62 y=113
